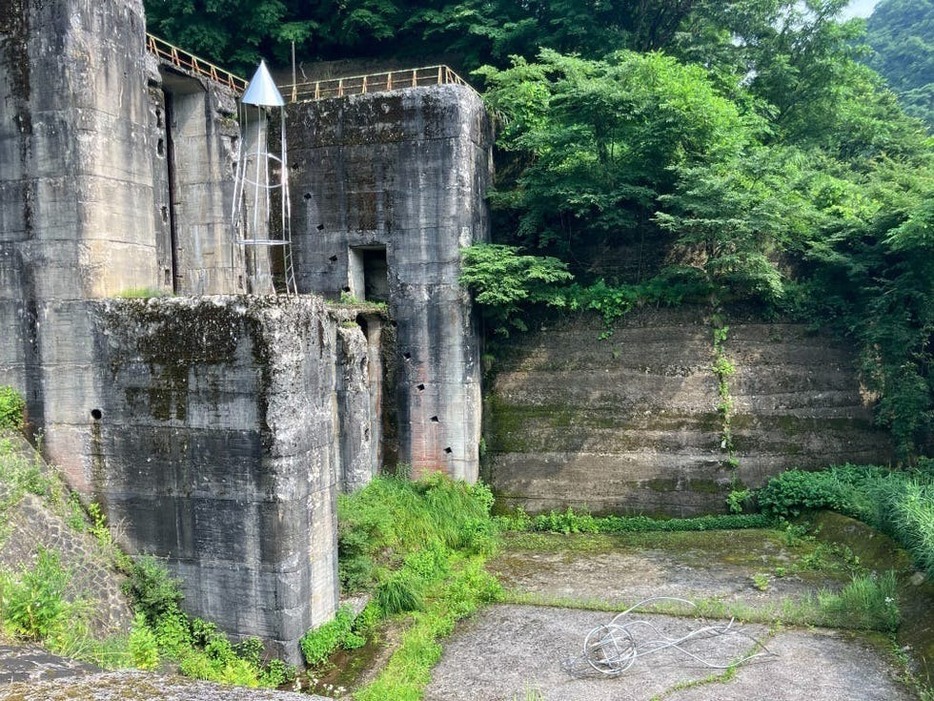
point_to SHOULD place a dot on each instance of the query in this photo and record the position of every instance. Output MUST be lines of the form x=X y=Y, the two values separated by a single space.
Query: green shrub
x=869 y=602
x=391 y=518
x=173 y=633
x=154 y=592
x=795 y=491
x=34 y=604
x=276 y=673
x=898 y=503
x=318 y=644
x=12 y=409
x=420 y=547
x=400 y=592
x=142 y=644
x=367 y=621
x=566 y=522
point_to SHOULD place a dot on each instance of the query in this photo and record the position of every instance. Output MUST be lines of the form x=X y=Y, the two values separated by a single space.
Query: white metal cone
x=262 y=90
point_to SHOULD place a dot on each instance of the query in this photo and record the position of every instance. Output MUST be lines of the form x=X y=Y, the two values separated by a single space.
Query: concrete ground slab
x=513 y=652
x=625 y=569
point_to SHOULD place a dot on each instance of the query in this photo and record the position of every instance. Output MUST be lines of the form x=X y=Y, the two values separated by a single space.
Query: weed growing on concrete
x=868 y=602
x=529 y=694
x=12 y=409
x=760 y=581
x=142 y=293
x=197 y=646
x=142 y=644
x=723 y=370
x=318 y=644
x=570 y=521
x=32 y=601
x=715 y=678
x=738 y=499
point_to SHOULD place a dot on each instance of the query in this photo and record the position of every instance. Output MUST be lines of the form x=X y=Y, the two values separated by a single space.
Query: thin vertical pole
x=294 y=79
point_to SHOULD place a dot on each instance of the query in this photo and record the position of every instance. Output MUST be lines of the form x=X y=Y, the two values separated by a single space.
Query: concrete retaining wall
x=630 y=423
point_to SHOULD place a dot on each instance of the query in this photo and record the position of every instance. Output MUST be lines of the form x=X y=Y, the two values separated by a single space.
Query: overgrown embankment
x=418 y=550
x=900 y=504
x=66 y=586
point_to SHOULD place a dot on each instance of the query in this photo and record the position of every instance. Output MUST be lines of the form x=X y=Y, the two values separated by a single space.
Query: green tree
x=901 y=33
x=736 y=218
x=589 y=146
x=505 y=283
x=233 y=33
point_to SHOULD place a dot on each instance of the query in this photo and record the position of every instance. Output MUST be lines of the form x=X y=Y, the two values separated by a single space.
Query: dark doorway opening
x=369 y=273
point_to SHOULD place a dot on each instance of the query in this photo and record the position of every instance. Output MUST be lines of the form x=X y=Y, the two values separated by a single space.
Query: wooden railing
x=373 y=82
x=189 y=62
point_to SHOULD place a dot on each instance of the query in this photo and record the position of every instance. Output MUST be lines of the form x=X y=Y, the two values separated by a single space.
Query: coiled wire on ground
x=612 y=648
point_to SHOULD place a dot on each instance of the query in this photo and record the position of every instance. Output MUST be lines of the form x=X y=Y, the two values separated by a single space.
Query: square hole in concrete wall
x=368 y=271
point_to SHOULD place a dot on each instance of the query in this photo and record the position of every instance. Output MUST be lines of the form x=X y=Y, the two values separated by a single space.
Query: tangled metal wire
x=613 y=648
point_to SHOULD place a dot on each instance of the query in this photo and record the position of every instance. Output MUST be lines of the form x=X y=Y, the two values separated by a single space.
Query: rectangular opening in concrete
x=184 y=100
x=368 y=271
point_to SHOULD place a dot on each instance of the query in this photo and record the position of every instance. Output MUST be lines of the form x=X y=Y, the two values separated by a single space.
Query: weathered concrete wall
x=76 y=193
x=76 y=184
x=198 y=151
x=630 y=423
x=107 y=185
x=405 y=173
x=359 y=394
x=215 y=442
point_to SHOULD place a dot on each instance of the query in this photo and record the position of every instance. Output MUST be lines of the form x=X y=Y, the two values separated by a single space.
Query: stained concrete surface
x=721 y=565
x=629 y=424
x=521 y=652
x=509 y=651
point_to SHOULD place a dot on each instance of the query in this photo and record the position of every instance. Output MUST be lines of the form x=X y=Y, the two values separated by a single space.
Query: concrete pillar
x=392 y=185
x=76 y=197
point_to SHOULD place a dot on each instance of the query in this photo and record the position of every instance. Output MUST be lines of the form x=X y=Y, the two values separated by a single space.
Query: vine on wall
x=724 y=369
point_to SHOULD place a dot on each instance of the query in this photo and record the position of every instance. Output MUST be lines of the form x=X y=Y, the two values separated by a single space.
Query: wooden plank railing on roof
x=372 y=82
x=193 y=64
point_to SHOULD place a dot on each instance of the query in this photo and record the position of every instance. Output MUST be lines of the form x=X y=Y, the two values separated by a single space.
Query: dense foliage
x=781 y=174
x=12 y=408
x=901 y=33
x=419 y=549
x=468 y=33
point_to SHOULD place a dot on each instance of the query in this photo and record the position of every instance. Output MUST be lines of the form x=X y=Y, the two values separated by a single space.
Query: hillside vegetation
x=66 y=585
x=901 y=34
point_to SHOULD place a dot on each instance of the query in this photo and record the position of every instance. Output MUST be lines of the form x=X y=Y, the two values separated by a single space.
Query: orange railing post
x=373 y=82
x=184 y=60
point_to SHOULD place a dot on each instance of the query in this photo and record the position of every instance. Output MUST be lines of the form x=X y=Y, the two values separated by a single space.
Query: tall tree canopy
x=901 y=33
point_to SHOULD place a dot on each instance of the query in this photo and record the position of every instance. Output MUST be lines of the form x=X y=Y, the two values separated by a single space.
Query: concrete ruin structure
x=217 y=421
x=218 y=425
